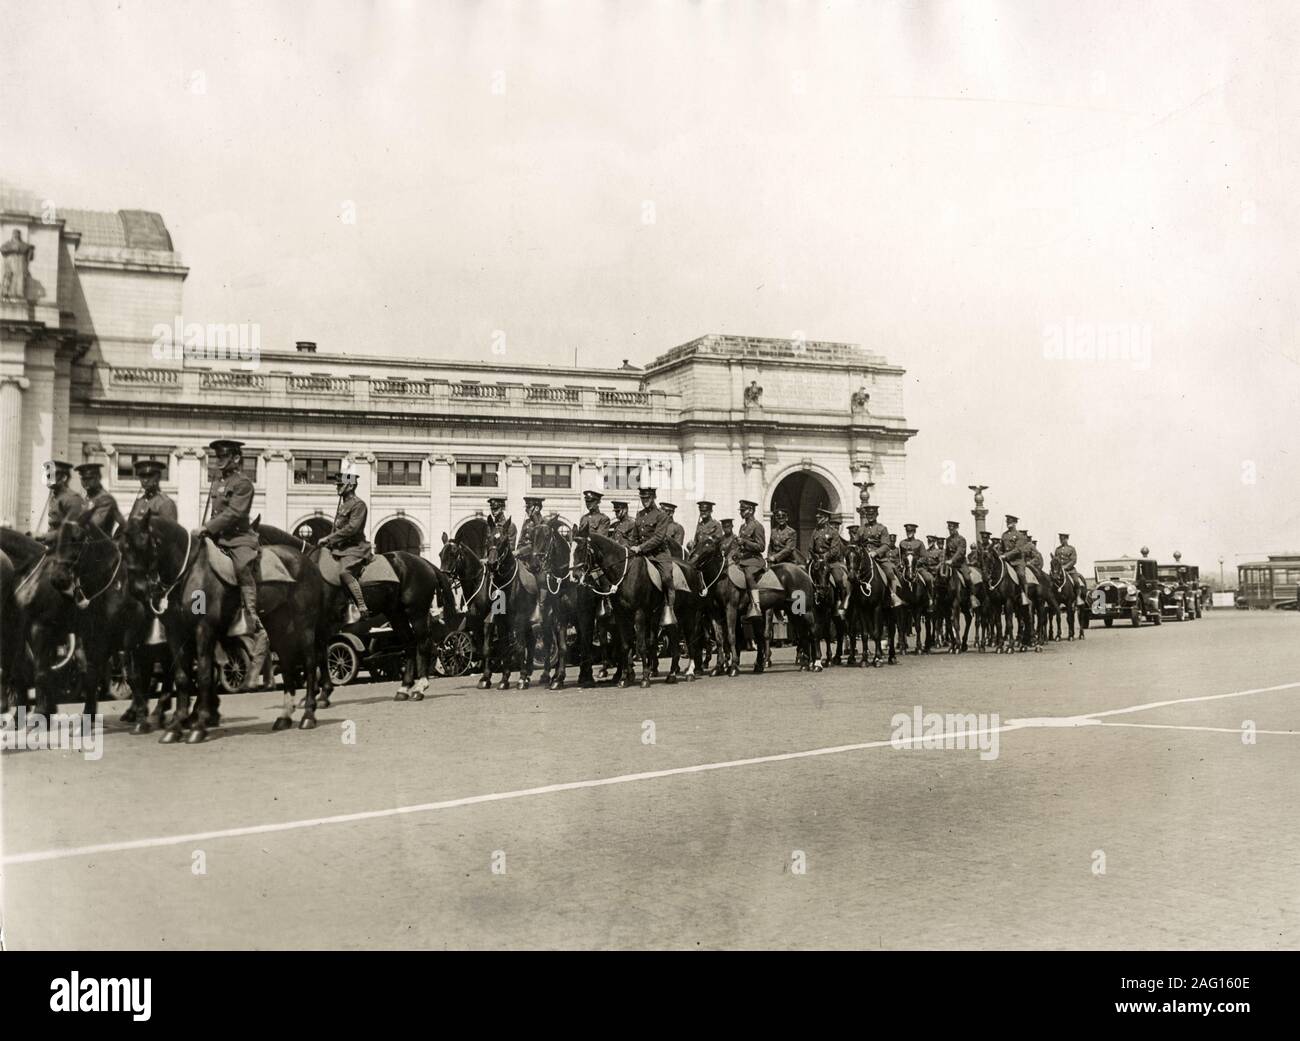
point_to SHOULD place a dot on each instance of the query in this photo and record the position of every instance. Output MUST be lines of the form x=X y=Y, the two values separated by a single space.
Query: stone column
x=279 y=462
x=517 y=468
x=364 y=465
x=591 y=476
x=11 y=463
x=753 y=467
x=441 y=480
x=62 y=401
x=38 y=430
x=191 y=484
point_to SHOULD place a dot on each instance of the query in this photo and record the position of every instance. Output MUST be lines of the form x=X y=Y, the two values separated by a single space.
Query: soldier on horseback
x=874 y=538
x=102 y=511
x=152 y=500
x=783 y=546
x=532 y=518
x=954 y=551
x=650 y=540
x=593 y=522
x=750 y=540
x=675 y=531
x=1014 y=552
x=1066 y=558
x=827 y=547
x=911 y=544
x=933 y=553
x=230 y=500
x=623 y=527
x=347 y=542
x=64 y=503
x=498 y=521
x=727 y=543
x=707 y=526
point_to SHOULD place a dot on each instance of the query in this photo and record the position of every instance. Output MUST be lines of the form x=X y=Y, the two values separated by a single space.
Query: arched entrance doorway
x=397 y=534
x=473 y=534
x=800 y=494
x=313 y=529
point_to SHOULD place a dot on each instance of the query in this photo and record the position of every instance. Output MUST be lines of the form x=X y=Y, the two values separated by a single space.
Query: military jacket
x=156 y=505
x=230 y=502
x=914 y=546
x=103 y=512
x=593 y=524
x=954 y=549
x=875 y=537
x=827 y=544
x=650 y=532
x=710 y=528
x=1013 y=544
x=677 y=533
x=783 y=547
x=624 y=530
x=500 y=524
x=1066 y=556
x=64 y=505
x=750 y=540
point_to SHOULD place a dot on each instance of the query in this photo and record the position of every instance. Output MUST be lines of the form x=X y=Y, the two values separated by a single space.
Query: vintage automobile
x=376 y=650
x=1127 y=588
x=1180 y=590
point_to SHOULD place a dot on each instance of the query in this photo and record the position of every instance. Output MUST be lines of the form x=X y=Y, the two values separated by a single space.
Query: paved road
x=848 y=847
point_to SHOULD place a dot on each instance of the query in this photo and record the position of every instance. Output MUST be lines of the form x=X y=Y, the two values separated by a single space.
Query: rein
x=186 y=564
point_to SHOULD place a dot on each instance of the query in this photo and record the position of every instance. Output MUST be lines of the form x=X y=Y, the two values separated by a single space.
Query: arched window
x=398 y=534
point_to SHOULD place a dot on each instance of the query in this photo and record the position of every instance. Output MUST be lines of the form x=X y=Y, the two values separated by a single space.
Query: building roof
x=125 y=229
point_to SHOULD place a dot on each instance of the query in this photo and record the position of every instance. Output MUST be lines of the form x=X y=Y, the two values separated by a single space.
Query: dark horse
x=915 y=612
x=950 y=604
x=1071 y=593
x=198 y=610
x=407 y=605
x=567 y=602
x=1001 y=602
x=636 y=600
x=832 y=597
x=870 y=611
x=38 y=618
x=512 y=597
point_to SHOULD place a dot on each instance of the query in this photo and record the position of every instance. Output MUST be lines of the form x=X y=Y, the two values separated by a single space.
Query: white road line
x=549 y=789
x=1212 y=730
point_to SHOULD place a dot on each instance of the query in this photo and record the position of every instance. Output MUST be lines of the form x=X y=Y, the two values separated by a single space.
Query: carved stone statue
x=978 y=489
x=860 y=399
x=753 y=393
x=17 y=255
x=864 y=492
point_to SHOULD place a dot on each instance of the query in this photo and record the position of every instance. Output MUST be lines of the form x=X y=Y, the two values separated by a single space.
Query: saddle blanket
x=377 y=571
x=766 y=581
x=679 y=577
x=271 y=566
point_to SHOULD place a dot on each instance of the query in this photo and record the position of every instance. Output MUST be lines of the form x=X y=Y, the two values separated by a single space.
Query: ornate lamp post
x=980 y=511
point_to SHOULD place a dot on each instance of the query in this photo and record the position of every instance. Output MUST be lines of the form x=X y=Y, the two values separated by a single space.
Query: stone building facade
x=90 y=372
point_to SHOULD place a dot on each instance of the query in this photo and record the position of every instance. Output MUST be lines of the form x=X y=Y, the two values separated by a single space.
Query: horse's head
x=909 y=565
x=500 y=554
x=706 y=548
x=552 y=542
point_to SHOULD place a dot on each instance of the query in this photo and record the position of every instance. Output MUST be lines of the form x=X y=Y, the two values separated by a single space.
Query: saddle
x=679 y=578
x=766 y=580
x=377 y=571
x=270 y=565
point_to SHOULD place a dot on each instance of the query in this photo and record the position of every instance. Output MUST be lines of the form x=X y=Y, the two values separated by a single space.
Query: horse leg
x=485 y=680
x=204 y=647
x=524 y=643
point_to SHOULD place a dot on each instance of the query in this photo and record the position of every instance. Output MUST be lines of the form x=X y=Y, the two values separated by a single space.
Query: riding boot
x=755 y=610
x=261 y=643
x=897 y=600
x=354 y=588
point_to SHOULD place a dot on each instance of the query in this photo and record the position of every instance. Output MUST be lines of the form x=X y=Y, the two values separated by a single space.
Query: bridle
x=186 y=564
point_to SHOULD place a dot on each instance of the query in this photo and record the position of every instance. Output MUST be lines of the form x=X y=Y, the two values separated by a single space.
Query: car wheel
x=231 y=672
x=1136 y=617
x=342 y=662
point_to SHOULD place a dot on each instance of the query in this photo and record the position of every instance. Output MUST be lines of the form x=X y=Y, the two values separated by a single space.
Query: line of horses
x=71 y=608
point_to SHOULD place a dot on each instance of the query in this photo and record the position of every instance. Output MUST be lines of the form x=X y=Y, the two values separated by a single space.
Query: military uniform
x=348 y=539
x=707 y=527
x=874 y=538
x=524 y=548
x=593 y=522
x=933 y=556
x=153 y=505
x=827 y=546
x=916 y=547
x=230 y=501
x=677 y=533
x=783 y=547
x=501 y=526
x=650 y=539
x=65 y=504
x=727 y=543
x=750 y=540
x=1066 y=557
x=623 y=529
x=103 y=512
x=1013 y=551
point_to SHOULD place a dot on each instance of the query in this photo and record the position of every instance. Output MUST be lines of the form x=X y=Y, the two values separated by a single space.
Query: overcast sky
x=970 y=189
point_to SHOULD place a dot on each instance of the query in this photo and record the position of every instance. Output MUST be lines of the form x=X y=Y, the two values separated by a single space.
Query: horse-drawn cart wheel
x=230 y=672
x=342 y=662
x=456 y=654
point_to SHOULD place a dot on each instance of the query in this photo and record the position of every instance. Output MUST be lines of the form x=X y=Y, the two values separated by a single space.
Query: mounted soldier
x=152 y=500
x=1033 y=556
x=230 y=502
x=827 y=547
x=347 y=542
x=1013 y=550
x=623 y=526
x=727 y=543
x=874 y=538
x=650 y=540
x=911 y=544
x=933 y=553
x=593 y=522
x=707 y=526
x=955 y=555
x=783 y=546
x=750 y=542
x=499 y=523
x=675 y=531
x=64 y=503
x=102 y=511
x=1065 y=555
x=532 y=518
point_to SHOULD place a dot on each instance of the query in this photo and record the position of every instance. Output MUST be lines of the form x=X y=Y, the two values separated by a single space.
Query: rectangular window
x=552 y=475
x=315 y=469
x=250 y=457
x=476 y=475
x=621 y=477
x=402 y=471
x=126 y=463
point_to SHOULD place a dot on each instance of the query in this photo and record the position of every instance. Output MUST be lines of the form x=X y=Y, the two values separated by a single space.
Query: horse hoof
x=307 y=722
x=401 y=695
x=524 y=684
x=671 y=678
x=690 y=677
x=622 y=684
x=645 y=682
x=281 y=723
x=556 y=685
x=141 y=728
x=169 y=737
x=196 y=736
x=322 y=702
x=733 y=672
x=503 y=685
x=129 y=716
x=817 y=667
x=417 y=696
x=544 y=680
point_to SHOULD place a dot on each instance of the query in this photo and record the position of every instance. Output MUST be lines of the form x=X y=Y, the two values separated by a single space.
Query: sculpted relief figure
x=753 y=393
x=859 y=400
x=17 y=255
